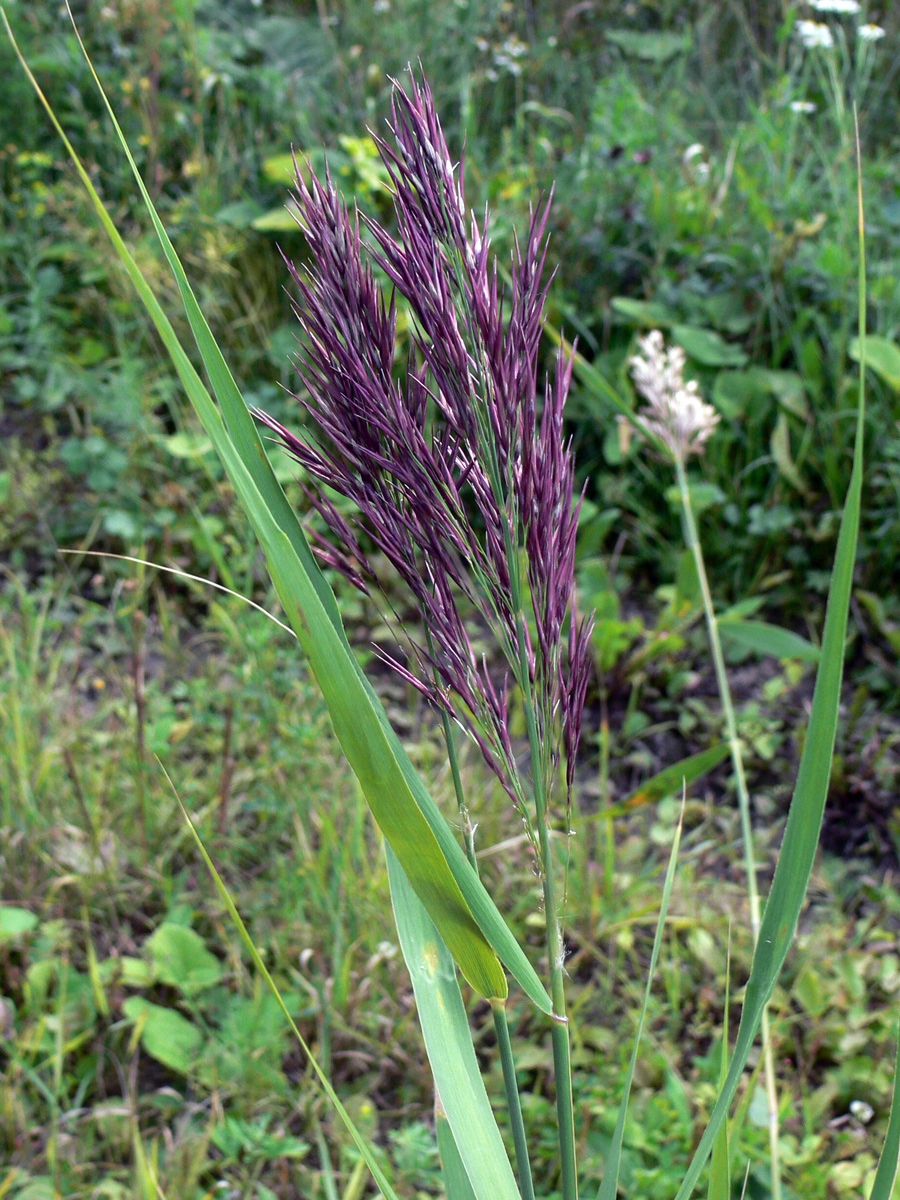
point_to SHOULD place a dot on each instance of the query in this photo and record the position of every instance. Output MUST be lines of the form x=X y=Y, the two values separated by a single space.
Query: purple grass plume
x=460 y=479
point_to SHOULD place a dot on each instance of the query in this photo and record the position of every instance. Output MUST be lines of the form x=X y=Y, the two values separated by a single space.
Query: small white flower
x=813 y=34
x=802 y=106
x=870 y=33
x=862 y=1110
x=675 y=412
x=381 y=6
x=846 y=8
x=514 y=47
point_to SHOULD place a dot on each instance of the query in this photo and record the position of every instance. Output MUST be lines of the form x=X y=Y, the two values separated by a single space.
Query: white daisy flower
x=845 y=8
x=814 y=35
x=870 y=33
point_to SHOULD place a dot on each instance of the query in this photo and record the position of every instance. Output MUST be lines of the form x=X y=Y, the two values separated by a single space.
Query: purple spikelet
x=449 y=464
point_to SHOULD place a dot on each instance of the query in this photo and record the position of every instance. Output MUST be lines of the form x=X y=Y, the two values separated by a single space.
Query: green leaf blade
x=448 y=1041
x=772 y=640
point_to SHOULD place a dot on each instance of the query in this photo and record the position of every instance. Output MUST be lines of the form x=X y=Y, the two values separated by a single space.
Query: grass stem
x=562 y=1064
x=523 y=1166
x=737 y=760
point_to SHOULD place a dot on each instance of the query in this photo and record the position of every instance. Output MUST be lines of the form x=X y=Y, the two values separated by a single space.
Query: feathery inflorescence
x=675 y=413
x=455 y=474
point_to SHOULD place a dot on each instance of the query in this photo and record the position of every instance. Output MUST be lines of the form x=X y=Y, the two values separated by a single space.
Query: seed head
x=455 y=473
x=675 y=412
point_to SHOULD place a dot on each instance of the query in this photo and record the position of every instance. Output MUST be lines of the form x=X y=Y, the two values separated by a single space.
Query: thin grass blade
x=804 y=823
x=888 y=1163
x=610 y=1184
x=720 y=1166
x=448 y=1041
x=471 y=925
x=362 y=1145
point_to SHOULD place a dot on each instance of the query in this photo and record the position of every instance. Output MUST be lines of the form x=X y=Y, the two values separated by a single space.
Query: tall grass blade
x=720 y=1166
x=448 y=1041
x=445 y=882
x=456 y=1181
x=804 y=823
x=610 y=1185
x=888 y=1163
x=362 y=1145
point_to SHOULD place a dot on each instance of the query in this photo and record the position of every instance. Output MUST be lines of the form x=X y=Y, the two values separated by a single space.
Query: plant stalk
x=559 y=1034
x=498 y=1007
x=523 y=1166
x=737 y=760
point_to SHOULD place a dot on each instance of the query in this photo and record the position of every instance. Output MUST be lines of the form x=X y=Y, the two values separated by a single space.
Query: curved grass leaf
x=804 y=823
x=882 y=356
x=457 y=901
x=763 y=638
x=886 y=1175
x=448 y=1041
x=670 y=780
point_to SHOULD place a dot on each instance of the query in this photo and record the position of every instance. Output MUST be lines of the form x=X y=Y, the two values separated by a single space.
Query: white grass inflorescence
x=675 y=411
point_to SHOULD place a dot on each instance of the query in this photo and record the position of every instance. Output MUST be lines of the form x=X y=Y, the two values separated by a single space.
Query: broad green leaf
x=652 y=46
x=787 y=387
x=804 y=823
x=671 y=780
x=610 y=1185
x=882 y=355
x=15 y=921
x=279 y=168
x=277 y=220
x=182 y=960
x=734 y=392
x=40 y=1187
x=706 y=347
x=456 y=1181
x=703 y=495
x=166 y=1035
x=448 y=1041
x=763 y=638
x=780 y=445
x=886 y=1175
x=644 y=312
x=131 y=972
x=470 y=923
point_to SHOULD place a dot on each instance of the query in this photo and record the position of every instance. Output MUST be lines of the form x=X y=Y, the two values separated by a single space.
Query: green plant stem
x=498 y=1007
x=559 y=1034
x=468 y=829
x=523 y=1166
x=737 y=760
